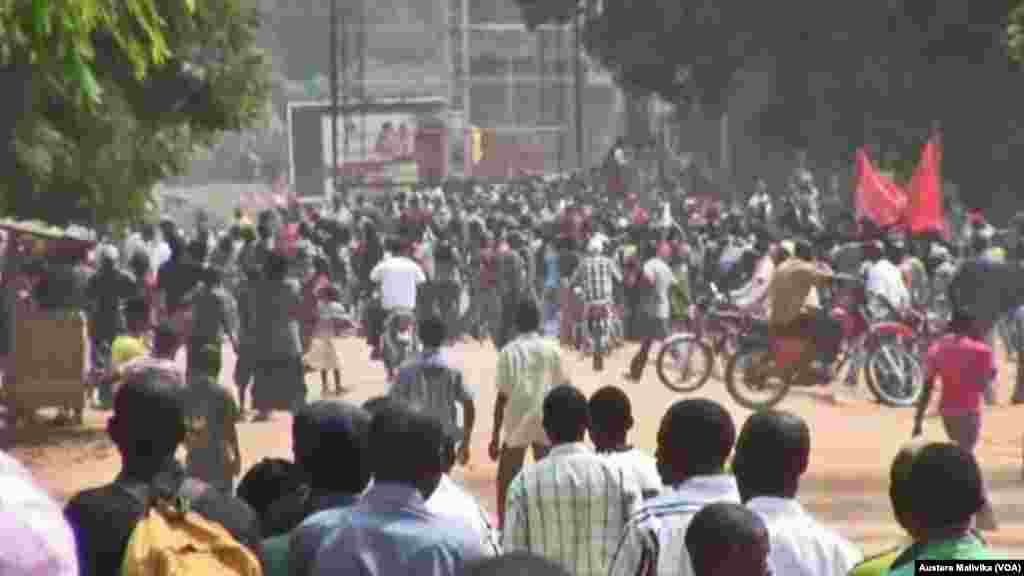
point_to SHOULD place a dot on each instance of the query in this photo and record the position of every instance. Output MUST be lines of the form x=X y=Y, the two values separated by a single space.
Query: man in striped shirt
x=597 y=275
x=654 y=542
x=572 y=506
x=528 y=368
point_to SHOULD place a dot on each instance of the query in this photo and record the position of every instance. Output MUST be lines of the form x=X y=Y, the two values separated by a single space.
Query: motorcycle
x=770 y=364
x=599 y=332
x=399 y=340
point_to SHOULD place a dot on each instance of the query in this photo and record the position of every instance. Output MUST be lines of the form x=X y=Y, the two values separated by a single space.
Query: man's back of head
x=566 y=415
x=433 y=332
x=772 y=452
x=148 y=422
x=726 y=538
x=900 y=492
x=679 y=457
x=330 y=444
x=611 y=418
x=527 y=316
x=946 y=490
x=407 y=447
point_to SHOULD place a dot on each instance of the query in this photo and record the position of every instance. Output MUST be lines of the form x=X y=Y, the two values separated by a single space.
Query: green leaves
x=115 y=95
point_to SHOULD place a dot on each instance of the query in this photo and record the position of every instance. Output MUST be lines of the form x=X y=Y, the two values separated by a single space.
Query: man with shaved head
x=772 y=454
x=726 y=538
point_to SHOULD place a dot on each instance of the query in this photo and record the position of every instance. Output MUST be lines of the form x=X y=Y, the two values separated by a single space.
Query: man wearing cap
x=596 y=277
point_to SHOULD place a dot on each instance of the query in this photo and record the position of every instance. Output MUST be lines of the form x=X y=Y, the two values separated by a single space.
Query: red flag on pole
x=878 y=199
x=924 y=208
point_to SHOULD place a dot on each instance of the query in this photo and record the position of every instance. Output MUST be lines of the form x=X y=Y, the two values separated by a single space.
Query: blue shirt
x=433 y=384
x=306 y=538
x=391 y=532
x=552 y=272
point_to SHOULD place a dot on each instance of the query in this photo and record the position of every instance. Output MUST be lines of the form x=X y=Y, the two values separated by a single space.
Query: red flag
x=879 y=199
x=924 y=208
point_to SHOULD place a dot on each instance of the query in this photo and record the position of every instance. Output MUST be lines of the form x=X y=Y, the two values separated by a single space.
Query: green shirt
x=275 y=556
x=967 y=547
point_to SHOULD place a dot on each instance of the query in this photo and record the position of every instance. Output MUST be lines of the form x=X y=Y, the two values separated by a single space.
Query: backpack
x=172 y=540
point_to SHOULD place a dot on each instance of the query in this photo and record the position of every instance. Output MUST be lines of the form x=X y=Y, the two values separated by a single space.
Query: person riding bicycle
x=796 y=310
x=596 y=276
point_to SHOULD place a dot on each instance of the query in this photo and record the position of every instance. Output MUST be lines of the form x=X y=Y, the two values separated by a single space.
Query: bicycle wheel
x=893 y=374
x=684 y=363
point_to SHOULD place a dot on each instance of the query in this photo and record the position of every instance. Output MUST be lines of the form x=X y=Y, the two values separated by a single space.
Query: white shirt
x=398 y=277
x=800 y=545
x=753 y=296
x=159 y=253
x=642 y=465
x=37 y=540
x=885 y=279
x=452 y=501
x=571 y=508
x=657 y=532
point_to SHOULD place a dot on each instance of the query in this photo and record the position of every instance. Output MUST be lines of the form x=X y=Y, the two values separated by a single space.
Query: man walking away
x=528 y=368
x=430 y=382
x=107 y=291
x=656 y=312
x=547 y=502
x=214 y=319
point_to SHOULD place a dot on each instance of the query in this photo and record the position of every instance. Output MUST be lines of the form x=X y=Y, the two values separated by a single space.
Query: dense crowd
x=370 y=489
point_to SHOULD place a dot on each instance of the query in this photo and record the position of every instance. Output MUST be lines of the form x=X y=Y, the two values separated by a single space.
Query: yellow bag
x=172 y=540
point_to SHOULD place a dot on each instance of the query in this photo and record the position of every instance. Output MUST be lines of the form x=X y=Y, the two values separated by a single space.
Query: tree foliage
x=879 y=73
x=116 y=95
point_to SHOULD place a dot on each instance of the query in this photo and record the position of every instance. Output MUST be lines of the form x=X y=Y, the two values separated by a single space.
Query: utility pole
x=579 y=83
x=467 y=89
x=334 y=96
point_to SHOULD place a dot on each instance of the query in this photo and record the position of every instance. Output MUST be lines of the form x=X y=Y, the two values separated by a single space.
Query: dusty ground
x=847 y=486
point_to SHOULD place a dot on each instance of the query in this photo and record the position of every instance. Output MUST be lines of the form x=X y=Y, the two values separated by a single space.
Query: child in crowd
x=323 y=354
x=214 y=455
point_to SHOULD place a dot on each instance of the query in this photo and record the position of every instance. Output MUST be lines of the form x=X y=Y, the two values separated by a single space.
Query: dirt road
x=852 y=443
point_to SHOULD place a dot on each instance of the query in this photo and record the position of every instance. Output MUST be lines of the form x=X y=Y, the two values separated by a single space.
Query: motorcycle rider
x=796 y=310
x=596 y=277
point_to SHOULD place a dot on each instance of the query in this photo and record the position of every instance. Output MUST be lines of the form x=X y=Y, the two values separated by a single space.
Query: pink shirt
x=965 y=366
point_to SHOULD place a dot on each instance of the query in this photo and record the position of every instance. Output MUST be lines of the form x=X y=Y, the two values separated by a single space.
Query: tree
x=880 y=74
x=91 y=148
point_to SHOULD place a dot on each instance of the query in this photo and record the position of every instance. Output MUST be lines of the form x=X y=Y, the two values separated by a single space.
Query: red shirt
x=488 y=269
x=965 y=366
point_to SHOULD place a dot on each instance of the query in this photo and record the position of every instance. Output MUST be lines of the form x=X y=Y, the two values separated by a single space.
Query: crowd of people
x=727 y=504
x=370 y=488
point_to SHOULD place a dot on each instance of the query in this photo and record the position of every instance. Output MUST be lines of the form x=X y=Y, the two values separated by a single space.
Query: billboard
x=383 y=144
